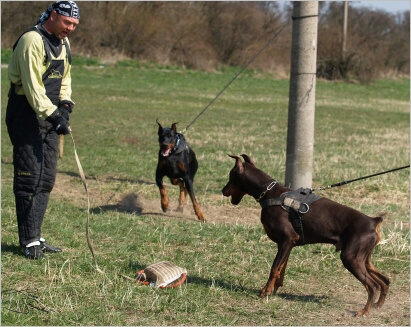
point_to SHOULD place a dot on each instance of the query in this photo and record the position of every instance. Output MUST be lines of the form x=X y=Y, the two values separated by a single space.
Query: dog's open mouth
x=165 y=152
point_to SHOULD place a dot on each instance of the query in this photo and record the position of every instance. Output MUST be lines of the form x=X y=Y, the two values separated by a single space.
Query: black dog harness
x=296 y=203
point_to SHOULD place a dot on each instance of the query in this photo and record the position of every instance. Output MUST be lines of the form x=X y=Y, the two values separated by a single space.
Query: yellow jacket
x=26 y=69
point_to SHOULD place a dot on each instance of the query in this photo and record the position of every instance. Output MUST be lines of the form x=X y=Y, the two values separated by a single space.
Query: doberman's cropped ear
x=159 y=126
x=174 y=127
x=238 y=163
x=248 y=159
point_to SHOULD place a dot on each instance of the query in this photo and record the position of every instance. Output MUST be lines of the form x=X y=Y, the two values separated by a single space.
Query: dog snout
x=226 y=190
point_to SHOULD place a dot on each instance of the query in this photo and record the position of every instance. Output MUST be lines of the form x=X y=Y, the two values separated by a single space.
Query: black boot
x=48 y=248
x=34 y=252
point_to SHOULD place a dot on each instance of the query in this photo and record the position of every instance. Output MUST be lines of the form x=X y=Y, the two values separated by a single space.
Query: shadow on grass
x=11 y=248
x=130 y=203
x=302 y=298
x=117 y=208
x=120 y=208
x=220 y=283
x=138 y=211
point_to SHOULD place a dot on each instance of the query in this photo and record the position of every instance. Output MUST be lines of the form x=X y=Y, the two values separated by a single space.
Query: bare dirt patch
x=216 y=208
x=106 y=199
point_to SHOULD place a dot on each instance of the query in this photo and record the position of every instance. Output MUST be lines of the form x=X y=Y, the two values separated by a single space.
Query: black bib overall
x=35 y=149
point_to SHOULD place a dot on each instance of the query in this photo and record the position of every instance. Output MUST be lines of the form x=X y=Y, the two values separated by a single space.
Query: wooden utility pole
x=344 y=31
x=300 y=134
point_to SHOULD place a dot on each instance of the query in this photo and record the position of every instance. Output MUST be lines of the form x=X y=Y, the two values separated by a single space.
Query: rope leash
x=357 y=179
x=83 y=178
x=252 y=59
x=238 y=74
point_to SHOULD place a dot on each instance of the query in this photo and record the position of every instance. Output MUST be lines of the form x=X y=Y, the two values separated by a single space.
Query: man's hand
x=66 y=108
x=59 y=123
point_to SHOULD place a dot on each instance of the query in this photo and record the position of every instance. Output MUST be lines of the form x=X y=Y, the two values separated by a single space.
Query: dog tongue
x=166 y=152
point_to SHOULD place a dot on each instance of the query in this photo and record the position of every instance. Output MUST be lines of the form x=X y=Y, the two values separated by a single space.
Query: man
x=38 y=111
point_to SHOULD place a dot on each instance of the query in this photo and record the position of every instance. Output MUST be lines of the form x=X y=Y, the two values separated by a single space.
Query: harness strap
x=298 y=200
x=265 y=203
x=296 y=203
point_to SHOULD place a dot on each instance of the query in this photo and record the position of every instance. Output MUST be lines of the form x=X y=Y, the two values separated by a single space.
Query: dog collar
x=177 y=143
x=180 y=145
x=269 y=187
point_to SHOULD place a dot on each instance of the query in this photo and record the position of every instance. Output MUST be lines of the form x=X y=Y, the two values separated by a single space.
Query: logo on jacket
x=55 y=74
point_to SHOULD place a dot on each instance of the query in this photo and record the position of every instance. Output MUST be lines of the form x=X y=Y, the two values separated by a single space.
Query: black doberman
x=178 y=162
x=352 y=232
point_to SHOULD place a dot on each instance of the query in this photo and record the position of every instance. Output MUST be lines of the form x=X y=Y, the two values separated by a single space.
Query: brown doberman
x=178 y=162
x=352 y=232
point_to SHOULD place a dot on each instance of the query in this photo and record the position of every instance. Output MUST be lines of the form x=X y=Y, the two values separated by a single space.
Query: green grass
x=360 y=130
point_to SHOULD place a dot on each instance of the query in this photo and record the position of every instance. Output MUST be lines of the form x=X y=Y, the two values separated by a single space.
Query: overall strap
x=47 y=47
x=68 y=51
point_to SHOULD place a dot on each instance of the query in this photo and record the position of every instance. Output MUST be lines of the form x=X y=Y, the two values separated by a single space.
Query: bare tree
x=207 y=34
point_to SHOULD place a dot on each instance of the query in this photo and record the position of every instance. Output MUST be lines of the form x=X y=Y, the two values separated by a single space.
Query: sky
x=389 y=6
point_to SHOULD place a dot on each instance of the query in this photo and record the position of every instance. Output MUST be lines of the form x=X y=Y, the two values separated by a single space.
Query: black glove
x=59 y=123
x=66 y=107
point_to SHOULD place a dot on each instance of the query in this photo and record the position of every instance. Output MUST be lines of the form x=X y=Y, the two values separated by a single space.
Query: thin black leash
x=358 y=179
x=238 y=74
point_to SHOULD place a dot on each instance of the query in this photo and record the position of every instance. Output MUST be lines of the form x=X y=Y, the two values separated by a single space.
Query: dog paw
x=264 y=293
x=201 y=218
x=378 y=304
x=361 y=313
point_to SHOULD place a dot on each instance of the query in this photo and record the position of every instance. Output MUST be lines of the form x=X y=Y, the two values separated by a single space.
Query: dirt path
x=105 y=199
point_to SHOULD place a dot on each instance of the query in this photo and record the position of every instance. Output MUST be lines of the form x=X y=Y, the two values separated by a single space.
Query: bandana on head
x=65 y=8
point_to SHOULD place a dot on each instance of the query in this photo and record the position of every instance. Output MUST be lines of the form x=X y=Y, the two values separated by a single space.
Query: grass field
x=359 y=130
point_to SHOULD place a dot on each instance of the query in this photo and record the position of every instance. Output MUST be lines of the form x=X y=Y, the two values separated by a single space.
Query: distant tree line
x=207 y=35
